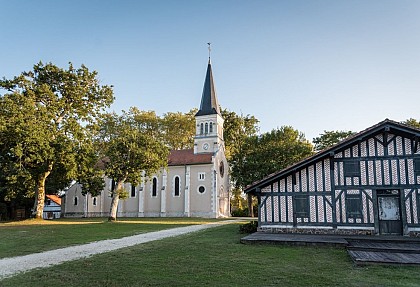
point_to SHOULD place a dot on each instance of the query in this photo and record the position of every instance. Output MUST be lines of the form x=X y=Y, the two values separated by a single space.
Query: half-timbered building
x=367 y=184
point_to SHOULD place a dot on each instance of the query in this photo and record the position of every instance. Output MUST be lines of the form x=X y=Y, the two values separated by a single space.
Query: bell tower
x=209 y=122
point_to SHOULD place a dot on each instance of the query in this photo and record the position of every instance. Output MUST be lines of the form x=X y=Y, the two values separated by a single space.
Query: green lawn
x=214 y=257
x=30 y=236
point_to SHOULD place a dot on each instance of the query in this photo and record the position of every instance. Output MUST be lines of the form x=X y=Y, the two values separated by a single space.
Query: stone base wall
x=414 y=234
x=320 y=231
x=83 y=214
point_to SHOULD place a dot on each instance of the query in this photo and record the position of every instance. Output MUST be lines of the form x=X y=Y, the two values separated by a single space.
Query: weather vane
x=209 y=49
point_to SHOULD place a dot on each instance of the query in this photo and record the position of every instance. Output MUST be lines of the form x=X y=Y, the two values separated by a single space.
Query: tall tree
x=179 y=129
x=268 y=153
x=237 y=128
x=45 y=113
x=330 y=138
x=130 y=149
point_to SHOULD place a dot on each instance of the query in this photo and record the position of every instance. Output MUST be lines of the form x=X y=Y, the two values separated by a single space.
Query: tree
x=131 y=150
x=179 y=129
x=237 y=128
x=45 y=115
x=268 y=153
x=412 y=122
x=330 y=138
x=265 y=154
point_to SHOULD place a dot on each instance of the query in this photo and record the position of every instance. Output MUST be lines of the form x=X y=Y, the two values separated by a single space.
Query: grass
x=30 y=236
x=214 y=257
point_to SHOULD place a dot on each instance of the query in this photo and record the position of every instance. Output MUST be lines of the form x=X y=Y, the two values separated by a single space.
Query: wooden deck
x=294 y=239
x=362 y=249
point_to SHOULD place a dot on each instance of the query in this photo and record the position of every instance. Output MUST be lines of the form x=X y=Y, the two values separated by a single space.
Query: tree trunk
x=40 y=193
x=250 y=206
x=115 y=200
x=33 y=211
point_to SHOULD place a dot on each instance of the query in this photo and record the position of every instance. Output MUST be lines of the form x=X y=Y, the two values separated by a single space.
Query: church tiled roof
x=187 y=156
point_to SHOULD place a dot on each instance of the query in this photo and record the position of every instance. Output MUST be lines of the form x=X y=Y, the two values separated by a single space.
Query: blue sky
x=314 y=65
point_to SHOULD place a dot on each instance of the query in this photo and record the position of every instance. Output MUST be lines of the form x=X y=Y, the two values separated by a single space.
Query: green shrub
x=240 y=212
x=250 y=227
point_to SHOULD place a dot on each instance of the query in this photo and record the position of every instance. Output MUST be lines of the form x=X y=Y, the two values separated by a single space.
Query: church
x=194 y=184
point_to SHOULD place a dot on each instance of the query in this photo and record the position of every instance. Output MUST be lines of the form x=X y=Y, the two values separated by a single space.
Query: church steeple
x=209 y=104
x=209 y=121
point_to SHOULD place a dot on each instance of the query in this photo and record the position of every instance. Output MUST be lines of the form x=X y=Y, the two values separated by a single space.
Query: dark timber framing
x=384 y=158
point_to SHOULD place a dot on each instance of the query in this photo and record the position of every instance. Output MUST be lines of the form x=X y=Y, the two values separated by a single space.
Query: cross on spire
x=209 y=50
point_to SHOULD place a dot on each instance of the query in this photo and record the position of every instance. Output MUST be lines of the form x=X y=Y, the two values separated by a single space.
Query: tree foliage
x=179 y=129
x=412 y=122
x=132 y=149
x=237 y=128
x=268 y=153
x=45 y=115
x=330 y=138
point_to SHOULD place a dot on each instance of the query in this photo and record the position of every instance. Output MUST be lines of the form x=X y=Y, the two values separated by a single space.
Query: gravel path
x=13 y=265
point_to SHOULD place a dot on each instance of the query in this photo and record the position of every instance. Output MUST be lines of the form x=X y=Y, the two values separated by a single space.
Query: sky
x=314 y=65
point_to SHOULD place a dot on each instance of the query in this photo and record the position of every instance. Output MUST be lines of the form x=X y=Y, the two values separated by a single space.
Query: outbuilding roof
x=54 y=198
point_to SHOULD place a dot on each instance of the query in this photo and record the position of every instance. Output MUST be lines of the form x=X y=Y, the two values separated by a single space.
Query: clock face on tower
x=205 y=146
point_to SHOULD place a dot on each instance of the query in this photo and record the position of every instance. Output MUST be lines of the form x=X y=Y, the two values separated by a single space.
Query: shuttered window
x=302 y=206
x=418 y=204
x=354 y=205
x=417 y=166
x=352 y=168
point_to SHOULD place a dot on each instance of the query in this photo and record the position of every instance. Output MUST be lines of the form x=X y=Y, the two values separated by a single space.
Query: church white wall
x=129 y=205
x=201 y=203
x=214 y=202
x=175 y=204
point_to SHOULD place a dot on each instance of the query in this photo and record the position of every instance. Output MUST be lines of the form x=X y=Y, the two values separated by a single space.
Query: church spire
x=209 y=104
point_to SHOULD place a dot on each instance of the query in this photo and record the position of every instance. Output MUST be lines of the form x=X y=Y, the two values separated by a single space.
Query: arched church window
x=211 y=127
x=133 y=190
x=75 y=200
x=207 y=128
x=201 y=128
x=176 y=187
x=94 y=201
x=154 y=187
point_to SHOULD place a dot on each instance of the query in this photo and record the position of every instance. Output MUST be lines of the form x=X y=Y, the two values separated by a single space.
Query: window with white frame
x=75 y=200
x=94 y=201
x=133 y=190
x=112 y=188
x=201 y=176
x=154 y=187
x=176 y=186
